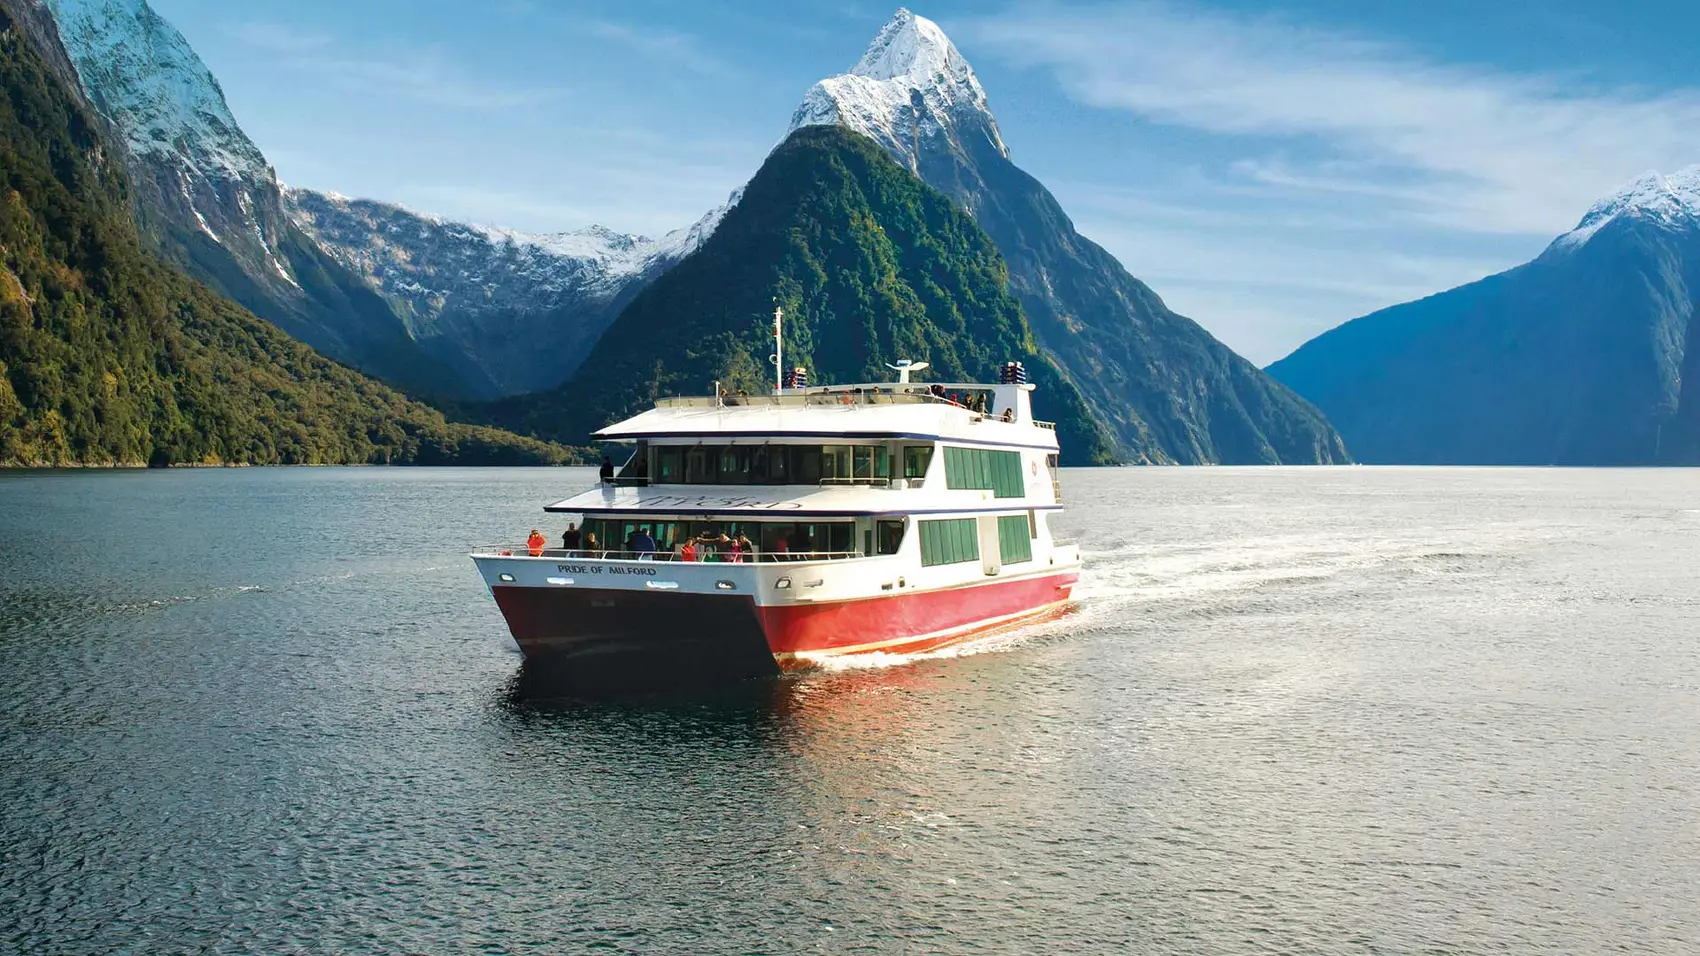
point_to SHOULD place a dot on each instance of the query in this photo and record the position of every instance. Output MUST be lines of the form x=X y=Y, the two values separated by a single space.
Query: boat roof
x=840 y=413
x=778 y=502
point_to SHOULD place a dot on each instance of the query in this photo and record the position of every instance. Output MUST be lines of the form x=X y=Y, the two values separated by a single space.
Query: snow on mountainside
x=1157 y=382
x=513 y=311
x=911 y=82
x=148 y=78
x=142 y=73
x=1670 y=200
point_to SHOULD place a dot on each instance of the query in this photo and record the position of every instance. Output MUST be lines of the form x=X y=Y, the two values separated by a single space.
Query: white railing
x=718 y=557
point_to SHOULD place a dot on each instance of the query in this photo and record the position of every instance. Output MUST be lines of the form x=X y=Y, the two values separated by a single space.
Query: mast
x=778 y=350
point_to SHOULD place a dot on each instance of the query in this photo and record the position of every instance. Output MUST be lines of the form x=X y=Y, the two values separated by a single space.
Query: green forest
x=110 y=357
x=870 y=264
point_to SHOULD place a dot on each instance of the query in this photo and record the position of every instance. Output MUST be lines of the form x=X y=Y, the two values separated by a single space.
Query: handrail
x=724 y=557
x=871 y=482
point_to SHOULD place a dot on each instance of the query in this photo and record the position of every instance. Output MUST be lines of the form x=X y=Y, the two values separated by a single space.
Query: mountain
x=110 y=356
x=510 y=312
x=1582 y=357
x=208 y=200
x=870 y=264
x=1163 y=386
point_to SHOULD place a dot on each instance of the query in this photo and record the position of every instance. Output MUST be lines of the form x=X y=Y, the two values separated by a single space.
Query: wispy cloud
x=664 y=47
x=1463 y=146
x=425 y=74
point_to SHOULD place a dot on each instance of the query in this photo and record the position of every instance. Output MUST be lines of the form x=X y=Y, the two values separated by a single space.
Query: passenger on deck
x=606 y=475
x=1009 y=414
x=743 y=549
x=688 y=550
x=643 y=542
x=591 y=545
x=937 y=390
x=571 y=538
x=534 y=545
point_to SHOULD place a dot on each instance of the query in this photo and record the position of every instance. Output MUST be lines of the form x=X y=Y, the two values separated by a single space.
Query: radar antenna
x=904 y=367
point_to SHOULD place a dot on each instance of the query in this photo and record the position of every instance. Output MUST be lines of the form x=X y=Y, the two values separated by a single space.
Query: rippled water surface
x=1307 y=711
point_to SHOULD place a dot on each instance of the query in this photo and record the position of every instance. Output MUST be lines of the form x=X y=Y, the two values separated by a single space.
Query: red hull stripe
x=908 y=621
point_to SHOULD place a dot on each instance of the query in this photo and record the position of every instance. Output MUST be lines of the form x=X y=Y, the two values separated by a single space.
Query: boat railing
x=719 y=557
x=827 y=395
x=855 y=482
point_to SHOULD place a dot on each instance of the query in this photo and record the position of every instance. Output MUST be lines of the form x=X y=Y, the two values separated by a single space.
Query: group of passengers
x=709 y=545
x=975 y=402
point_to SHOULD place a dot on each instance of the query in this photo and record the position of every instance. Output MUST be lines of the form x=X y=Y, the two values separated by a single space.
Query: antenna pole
x=778 y=350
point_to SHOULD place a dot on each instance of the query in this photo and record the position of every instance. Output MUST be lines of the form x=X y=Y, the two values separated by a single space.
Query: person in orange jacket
x=535 y=543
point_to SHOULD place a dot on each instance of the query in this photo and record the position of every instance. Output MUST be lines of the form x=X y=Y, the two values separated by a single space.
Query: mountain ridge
x=871 y=266
x=110 y=356
x=1589 y=354
x=207 y=199
x=512 y=312
x=1167 y=389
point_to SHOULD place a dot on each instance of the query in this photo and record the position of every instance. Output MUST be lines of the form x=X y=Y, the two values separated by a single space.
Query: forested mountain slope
x=109 y=356
x=871 y=266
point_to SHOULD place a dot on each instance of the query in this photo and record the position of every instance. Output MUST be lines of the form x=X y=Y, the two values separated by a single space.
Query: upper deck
x=974 y=414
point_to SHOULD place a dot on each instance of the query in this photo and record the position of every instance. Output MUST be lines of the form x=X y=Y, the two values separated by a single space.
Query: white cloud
x=420 y=73
x=661 y=46
x=1464 y=146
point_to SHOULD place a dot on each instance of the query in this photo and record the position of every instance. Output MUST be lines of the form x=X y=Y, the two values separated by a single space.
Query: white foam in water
x=1117 y=578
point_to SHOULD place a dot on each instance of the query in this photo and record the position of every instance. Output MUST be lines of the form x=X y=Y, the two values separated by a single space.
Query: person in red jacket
x=535 y=543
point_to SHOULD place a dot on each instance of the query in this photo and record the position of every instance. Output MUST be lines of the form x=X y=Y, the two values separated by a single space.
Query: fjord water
x=1298 y=710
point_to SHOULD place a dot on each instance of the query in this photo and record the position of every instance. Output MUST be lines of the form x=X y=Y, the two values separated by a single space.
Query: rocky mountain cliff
x=509 y=311
x=1589 y=355
x=1164 y=387
x=208 y=200
x=110 y=356
x=870 y=264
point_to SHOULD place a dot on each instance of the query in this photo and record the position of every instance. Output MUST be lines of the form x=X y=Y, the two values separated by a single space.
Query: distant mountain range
x=458 y=311
x=1589 y=355
x=510 y=312
x=208 y=200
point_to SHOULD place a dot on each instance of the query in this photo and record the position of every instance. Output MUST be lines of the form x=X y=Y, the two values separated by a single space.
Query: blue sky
x=1271 y=170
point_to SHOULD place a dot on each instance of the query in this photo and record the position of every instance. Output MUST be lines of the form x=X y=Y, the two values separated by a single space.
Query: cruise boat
x=755 y=534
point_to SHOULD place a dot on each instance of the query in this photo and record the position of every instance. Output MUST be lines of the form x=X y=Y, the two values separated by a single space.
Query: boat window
x=916 y=458
x=669 y=465
x=890 y=535
x=735 y=465
x=949 y=541
x=835 y=461
x=1013 y=543
x=700 y=465
x=772 y=464
x=983 y=469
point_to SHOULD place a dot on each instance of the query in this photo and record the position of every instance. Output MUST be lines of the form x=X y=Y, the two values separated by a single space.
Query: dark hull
x=629 y=636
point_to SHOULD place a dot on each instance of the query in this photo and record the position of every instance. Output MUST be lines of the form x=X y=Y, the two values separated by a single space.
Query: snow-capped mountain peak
x=911 y=82
x=143 y=74
x=1670 y=200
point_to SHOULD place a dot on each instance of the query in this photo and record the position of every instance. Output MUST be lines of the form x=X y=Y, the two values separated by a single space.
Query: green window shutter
x=1012 y=539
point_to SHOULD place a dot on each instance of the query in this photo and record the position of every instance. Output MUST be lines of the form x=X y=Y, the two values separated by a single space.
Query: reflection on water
x=1295 y=710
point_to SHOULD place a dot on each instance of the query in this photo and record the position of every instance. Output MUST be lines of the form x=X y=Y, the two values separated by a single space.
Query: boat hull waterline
x=611 y=625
